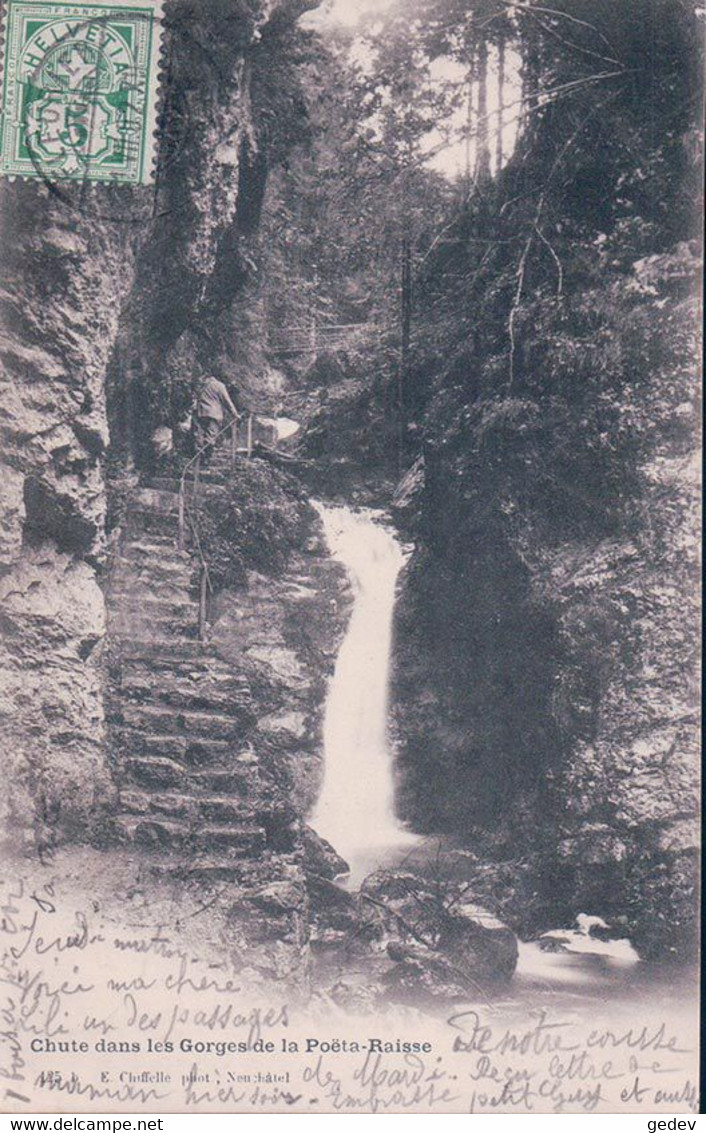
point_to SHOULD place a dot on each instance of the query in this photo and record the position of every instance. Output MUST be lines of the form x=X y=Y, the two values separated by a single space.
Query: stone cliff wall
x=67 y=271
x=98 y=284
x=283 y=634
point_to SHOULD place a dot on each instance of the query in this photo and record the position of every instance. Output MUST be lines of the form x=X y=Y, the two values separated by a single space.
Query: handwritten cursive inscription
x=98 y=1013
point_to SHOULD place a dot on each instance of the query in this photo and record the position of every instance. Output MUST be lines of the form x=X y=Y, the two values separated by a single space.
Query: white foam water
x=355 y=810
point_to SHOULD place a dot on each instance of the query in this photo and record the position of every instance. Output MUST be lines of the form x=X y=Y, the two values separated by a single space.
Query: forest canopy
x=474 y=169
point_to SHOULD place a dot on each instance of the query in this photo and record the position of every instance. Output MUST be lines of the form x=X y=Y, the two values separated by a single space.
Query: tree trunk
x=530 y=76
x=405 y=335
x=483 y=148
x=469 y=116
x=501 y=100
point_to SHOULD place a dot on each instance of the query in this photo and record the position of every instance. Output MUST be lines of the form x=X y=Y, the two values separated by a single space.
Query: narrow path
x=189 y=785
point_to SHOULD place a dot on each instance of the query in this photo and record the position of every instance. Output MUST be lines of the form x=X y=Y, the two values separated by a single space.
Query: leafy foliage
x=252 y=525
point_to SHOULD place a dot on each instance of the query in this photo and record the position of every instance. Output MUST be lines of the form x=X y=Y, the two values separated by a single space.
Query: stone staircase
x=191 y=790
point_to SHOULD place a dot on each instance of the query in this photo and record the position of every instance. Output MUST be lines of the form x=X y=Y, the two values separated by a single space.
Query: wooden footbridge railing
x=315 y=337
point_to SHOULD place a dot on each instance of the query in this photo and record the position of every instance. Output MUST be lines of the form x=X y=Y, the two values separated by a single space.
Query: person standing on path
x=212 y=404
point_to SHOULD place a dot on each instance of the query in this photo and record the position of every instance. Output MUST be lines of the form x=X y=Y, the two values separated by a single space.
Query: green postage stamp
x=79 y=90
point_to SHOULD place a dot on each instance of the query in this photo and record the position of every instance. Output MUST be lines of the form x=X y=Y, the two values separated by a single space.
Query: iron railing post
x=182 y=517
x=188 y=513
x=202 y=601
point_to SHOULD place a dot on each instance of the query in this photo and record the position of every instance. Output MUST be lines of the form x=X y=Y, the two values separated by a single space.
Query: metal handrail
x=187 y=514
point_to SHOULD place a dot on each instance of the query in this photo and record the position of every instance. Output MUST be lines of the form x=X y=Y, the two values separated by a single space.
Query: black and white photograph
x=349 y=556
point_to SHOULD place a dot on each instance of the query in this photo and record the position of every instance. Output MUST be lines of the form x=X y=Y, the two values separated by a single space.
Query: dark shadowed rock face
x=544 y=689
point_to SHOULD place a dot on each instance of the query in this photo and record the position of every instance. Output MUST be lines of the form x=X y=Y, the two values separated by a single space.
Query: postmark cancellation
x=80 y=90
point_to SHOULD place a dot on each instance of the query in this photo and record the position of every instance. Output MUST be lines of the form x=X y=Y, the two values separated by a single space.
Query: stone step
x=204 y=753
x=228 y=780
x=143 y=676
x=169 y=647
x=151 y=519
x=177 y=590
x=161 y=531
x=165 y=558
x=210 y=476
x=223 y=810
x=157 y=594
x=162 y=484
x=187 y=807
x=127 y=625
x=129 y=589
x=185 y=693
x=158 y=556
x=130 y=623
x=163 y=720
x=155 y=771
x=205 y=869
x=213 y=482
x=161 y=608
x=164 y=548
x=230 y=837
x=152 y=832
x=205 y=667
x=152 y=549
x=169 y=803
x=173 y=583
x=214 y=475
x=188 y=750
x=134 y=800
x=137 y=616
x=145 y=499
x=165 y=540
x=140 y=744
x=210 y=674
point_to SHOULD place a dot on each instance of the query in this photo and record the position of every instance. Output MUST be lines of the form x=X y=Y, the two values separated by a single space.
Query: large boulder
x=421 y=975
x=333 y=916
x=438 y=939
x=332 y=910
x=320 y=857
x=477 y=940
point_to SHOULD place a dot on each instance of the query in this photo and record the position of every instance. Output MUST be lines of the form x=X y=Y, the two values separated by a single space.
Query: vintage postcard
x=350 y=580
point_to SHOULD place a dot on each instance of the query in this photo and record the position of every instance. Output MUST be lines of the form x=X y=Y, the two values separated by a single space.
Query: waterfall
x=355 y=811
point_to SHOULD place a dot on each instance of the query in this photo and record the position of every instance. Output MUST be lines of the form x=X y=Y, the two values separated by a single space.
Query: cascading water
x=355 y=811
